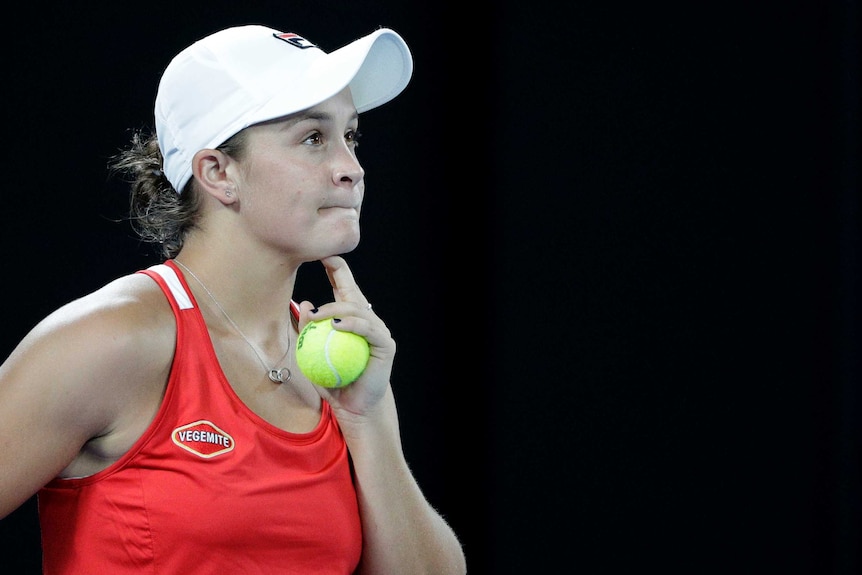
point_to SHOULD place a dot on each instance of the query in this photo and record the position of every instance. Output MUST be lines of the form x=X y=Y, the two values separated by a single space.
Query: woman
x=180 y=437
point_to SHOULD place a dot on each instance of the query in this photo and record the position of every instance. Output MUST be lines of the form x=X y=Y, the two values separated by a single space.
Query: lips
x=340 y=207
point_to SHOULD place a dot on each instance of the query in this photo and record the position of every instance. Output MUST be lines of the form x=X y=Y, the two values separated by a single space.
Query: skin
x=295 y=198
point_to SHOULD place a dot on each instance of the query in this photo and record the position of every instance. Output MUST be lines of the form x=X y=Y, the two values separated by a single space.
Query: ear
x=209 y=168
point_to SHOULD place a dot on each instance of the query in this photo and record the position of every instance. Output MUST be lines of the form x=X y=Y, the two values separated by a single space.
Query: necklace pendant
x=278 y=375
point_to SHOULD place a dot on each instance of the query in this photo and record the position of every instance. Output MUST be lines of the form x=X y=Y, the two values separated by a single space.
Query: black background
x=617 y=243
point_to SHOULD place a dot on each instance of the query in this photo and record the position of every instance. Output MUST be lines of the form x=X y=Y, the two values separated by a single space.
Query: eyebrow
x=313 y=114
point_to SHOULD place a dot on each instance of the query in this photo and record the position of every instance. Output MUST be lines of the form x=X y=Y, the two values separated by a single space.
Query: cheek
x=275 y=187
x=288 y=213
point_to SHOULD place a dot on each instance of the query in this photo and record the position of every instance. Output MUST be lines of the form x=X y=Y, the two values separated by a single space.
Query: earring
x=228 y=193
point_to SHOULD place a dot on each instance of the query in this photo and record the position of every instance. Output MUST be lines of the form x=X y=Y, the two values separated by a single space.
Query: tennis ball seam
x=329 y=363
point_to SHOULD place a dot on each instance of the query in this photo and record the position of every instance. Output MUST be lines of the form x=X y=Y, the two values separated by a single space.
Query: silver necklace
x=277 y=375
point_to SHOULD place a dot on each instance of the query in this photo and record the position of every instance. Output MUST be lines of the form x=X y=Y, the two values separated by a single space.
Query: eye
x=316 y=139
x=352 y=137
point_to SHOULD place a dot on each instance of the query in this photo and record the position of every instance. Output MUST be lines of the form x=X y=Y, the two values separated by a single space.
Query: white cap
x=244 y=75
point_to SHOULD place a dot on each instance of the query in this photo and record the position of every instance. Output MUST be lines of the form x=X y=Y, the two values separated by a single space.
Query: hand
x=361 y=397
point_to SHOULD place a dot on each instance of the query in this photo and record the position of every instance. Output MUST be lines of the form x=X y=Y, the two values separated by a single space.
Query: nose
x=347 y=170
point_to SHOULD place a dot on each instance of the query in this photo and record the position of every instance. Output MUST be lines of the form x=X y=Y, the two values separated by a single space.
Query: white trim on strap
x=170 y=277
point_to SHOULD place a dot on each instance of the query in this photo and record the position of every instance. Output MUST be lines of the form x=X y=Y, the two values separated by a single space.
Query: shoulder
x=110 y=346
x=92 y=373
x=128 y=309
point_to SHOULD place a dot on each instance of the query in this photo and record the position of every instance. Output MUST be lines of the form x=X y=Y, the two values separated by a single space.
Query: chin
x=346 y=246
x=340 y=238
x=349 y=247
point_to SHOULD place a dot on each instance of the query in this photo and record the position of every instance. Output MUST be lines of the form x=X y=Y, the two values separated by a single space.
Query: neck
x=255 y=293
x=277 y=334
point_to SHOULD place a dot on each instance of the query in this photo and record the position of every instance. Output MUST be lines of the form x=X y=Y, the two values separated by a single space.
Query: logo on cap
x=294 y=40
x=203 y=438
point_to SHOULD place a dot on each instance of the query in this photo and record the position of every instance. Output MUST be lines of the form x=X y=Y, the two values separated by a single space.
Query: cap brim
x=377 y=67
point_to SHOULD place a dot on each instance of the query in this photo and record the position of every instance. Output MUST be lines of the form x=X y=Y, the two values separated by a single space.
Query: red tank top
x=210 y=487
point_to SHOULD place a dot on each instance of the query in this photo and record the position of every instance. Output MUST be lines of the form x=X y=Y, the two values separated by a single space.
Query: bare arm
x=76 y=389
x=402 y=532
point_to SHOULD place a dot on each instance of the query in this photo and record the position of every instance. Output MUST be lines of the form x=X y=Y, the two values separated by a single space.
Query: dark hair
x=157 y=213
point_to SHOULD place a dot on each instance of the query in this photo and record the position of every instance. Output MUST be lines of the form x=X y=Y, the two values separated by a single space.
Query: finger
x=305 y=308
x=344 y=286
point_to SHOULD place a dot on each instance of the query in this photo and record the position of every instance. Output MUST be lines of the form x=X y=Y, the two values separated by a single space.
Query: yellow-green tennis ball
x=328 y=357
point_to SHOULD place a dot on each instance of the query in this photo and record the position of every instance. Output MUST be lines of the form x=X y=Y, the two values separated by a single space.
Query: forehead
x=338 y=108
